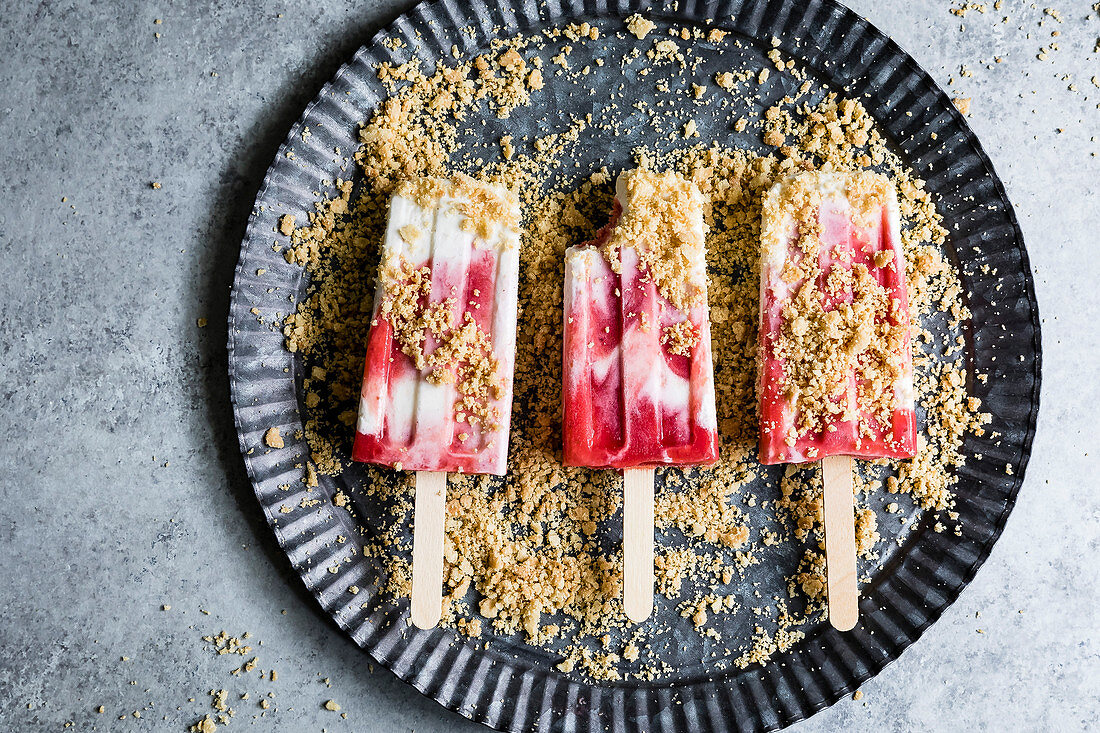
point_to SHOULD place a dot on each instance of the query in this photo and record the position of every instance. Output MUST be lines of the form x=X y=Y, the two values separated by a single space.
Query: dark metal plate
x=508 y=685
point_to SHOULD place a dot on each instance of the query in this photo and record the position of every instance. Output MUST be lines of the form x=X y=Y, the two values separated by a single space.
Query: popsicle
x=437 y=385
x=638 y=383
x=835 y=373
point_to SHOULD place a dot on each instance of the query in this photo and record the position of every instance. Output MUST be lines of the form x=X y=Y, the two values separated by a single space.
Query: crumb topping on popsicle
x=637 y=373
x=680 y=338
x=657 y=222
x=485 y=209
x=825 y=337
x=464 y=353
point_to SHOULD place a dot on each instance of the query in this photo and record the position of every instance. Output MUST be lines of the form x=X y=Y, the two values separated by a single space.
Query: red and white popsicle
x=835 y=375
x=638 y=384
x=437 y=386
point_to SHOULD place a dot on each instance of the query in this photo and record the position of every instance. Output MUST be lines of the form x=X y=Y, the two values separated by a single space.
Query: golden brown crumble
x=206 y=725
x=273 y=439
x=639 y=26
x=659 y=222
x=464 y=353
x=286 y=224
x=680 y=338
x=484 y=209
x=965 y=8
x=821 y=348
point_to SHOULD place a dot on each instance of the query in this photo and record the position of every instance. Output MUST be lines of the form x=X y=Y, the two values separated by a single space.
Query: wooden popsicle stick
x=429 y=515
x=638 y=543
x=840 y=541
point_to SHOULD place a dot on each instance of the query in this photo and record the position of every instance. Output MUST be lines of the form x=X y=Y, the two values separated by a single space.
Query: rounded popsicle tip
x=425 y=615
x=638 y=606
x=845 y=617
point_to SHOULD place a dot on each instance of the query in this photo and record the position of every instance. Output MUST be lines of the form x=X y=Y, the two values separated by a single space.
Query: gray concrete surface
x=121 y=487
